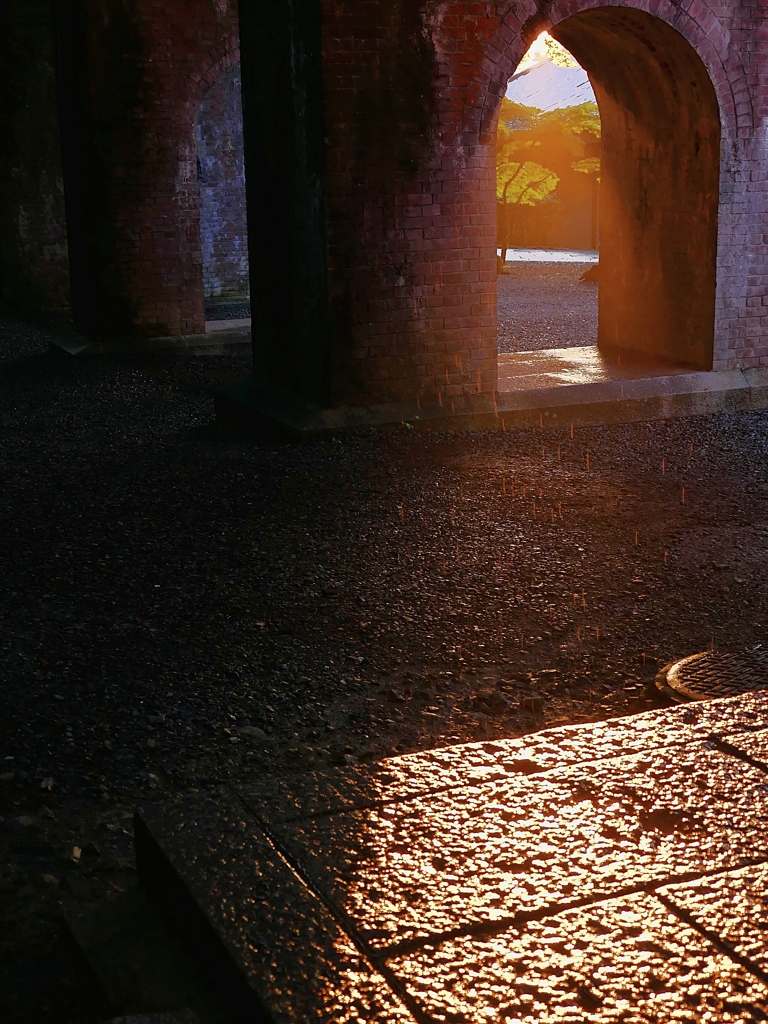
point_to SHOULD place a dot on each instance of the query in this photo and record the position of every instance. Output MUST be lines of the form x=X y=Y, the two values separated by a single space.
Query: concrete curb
x=212 y=343
x=254 y=403
x=258 y=404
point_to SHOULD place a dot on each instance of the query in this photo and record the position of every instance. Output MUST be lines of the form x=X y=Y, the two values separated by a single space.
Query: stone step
x=521 y=402
x=576 y=874
x=265 y=943
x=140 y=966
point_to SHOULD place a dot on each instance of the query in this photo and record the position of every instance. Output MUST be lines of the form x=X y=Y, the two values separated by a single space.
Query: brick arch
x=215 y=60
x=507 y=46
x=664 y=114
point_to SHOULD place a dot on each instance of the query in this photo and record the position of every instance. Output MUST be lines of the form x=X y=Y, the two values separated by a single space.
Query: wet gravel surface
x=227 y=310
x=184 y=604
x=544 y=305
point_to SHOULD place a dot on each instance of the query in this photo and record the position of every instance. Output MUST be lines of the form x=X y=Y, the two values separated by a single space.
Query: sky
x=548 y=77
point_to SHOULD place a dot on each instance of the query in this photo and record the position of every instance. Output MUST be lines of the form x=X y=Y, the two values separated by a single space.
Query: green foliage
x=527 y=183
x=578 y=121
x=590 y=165
x=557 y=53
x=537 y=149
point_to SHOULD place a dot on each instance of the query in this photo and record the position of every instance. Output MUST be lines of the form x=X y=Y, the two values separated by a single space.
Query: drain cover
x=711 y=674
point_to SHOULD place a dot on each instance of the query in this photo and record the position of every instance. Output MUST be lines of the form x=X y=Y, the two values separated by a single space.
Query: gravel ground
x=227 y=310
x=184 y=604
x=544 y=305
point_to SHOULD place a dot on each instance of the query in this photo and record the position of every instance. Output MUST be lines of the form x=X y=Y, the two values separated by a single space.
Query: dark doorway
x=221 y=180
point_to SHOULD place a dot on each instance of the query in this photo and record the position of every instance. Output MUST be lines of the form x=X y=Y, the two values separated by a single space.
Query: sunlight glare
x=536 y=51
x=546 y=47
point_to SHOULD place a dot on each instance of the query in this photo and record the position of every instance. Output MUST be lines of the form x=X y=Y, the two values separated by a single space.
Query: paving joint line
x=374 y=804
x=482 y=928
x=370 y=956
x=719 y=943
x=377 y=959
x=728 y=748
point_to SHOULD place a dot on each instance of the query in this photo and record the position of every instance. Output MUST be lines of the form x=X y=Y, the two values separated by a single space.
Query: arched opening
x=547 y=204
x=221 y=184
x=659 y=189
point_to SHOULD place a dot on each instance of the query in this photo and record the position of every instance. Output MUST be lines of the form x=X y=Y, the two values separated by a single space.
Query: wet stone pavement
x=186 y=606
x=541 y=879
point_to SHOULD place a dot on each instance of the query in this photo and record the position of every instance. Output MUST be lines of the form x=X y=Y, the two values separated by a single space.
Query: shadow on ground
x=185 y=604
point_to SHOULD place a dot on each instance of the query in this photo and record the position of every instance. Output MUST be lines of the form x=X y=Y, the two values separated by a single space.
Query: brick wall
x=659 y=184
x=221 y=184
x=146 y=67
x=34 y=266
x=393 y=185
x=412 y=92
x=411 y=208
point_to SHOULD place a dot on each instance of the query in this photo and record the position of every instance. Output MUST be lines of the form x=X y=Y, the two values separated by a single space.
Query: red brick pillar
x=411 y=208
x=143 y=69
x=370 y=152
x=371 y=227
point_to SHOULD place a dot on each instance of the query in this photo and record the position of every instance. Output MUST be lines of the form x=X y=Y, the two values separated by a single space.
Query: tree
x=519 y=177
x=526 y=182
x=542 y=154
x=536 y=149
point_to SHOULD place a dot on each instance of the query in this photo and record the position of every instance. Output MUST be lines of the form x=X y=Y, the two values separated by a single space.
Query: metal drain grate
x=711 y=674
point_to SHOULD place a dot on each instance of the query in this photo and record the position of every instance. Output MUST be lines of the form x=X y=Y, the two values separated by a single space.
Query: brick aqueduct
x=368 y=132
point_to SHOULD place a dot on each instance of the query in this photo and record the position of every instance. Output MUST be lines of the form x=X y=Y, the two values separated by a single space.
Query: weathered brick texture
x=147 y=68
x=221 y=185
x=369 y=144
x=659 y=184
x=412 y=92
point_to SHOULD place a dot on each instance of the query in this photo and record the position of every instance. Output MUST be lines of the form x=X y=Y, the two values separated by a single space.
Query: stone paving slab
x=752 y=746
x=519 y=846
x=283 y=943
x=606 y=872
x=581 y=364
x=397 y=778
x=732 y=906
x=628 y=960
